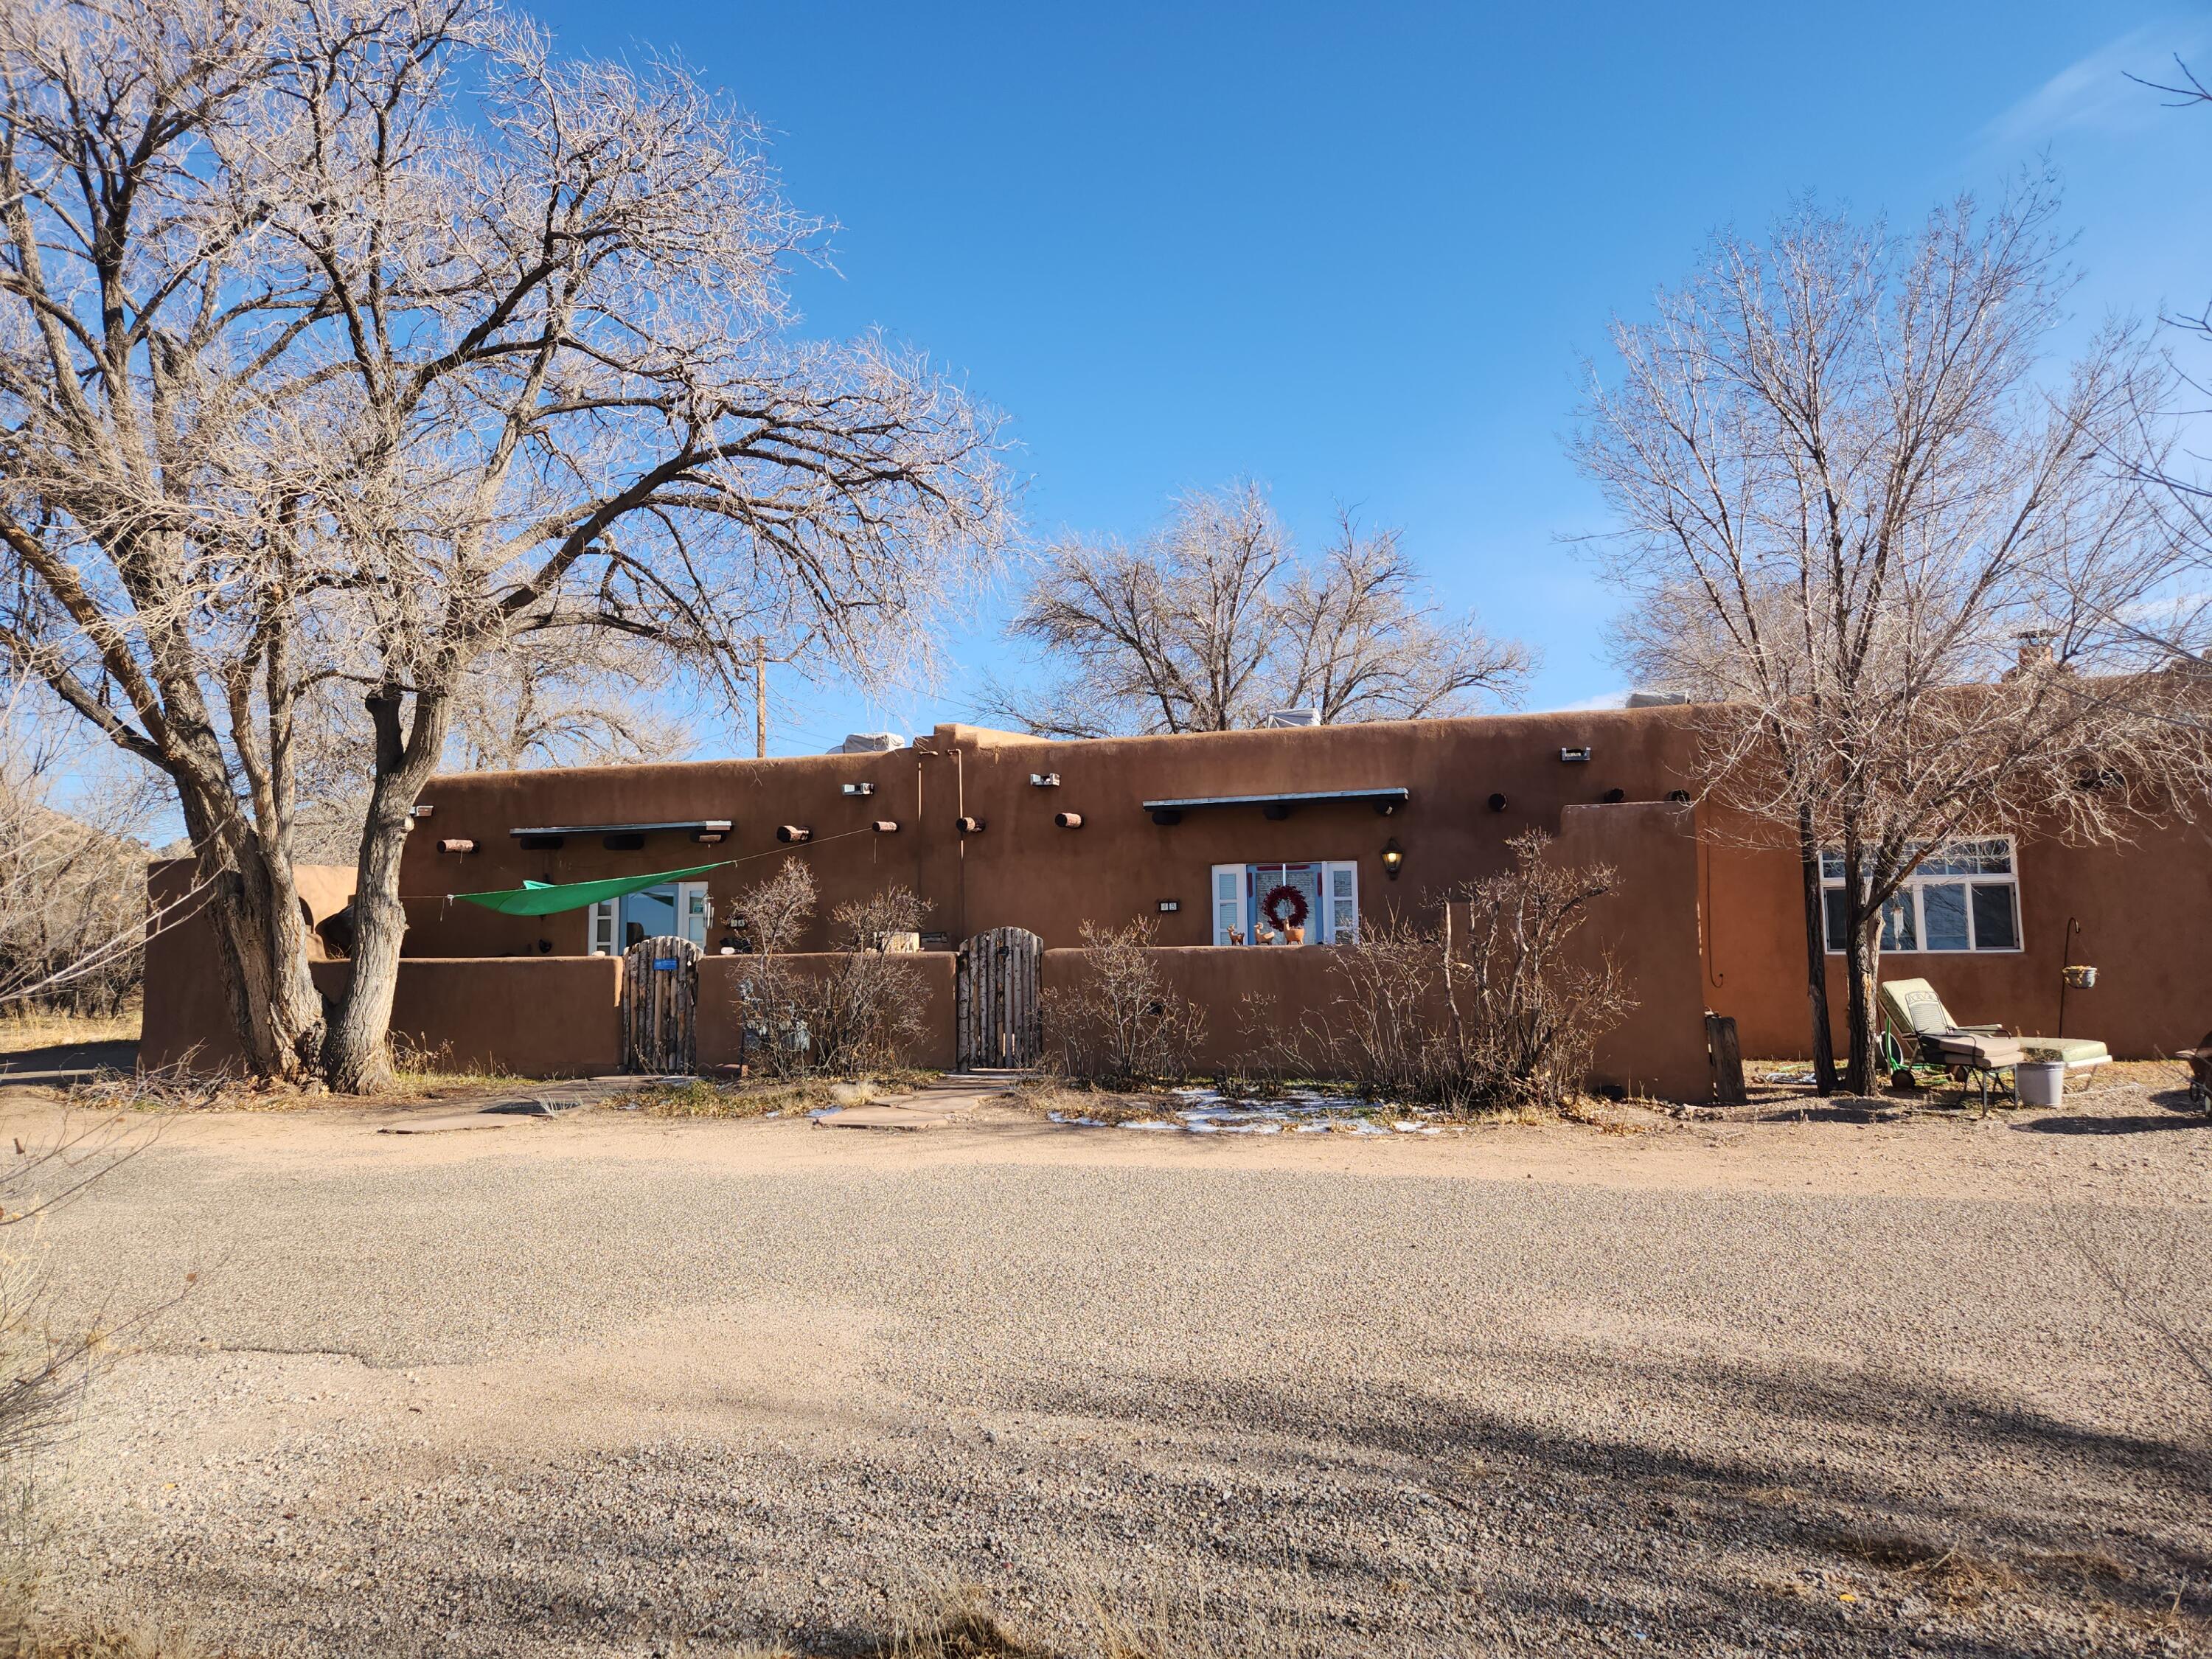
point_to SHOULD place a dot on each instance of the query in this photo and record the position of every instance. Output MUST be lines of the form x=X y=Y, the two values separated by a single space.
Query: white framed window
x=1962 y=897
x=680 y=907
x=1249 y=899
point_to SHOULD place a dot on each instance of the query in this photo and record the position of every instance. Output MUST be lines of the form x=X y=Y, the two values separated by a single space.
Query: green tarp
x=545 y=899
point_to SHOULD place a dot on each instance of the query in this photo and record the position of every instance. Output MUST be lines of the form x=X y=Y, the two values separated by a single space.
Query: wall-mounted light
x=1581 y=754
x=456 y=844
x=1068 y=820
x=1394 y=858
x=793 y=833
x=859 y=788
x=968 y=826
x=1498 y=803
x=1044 y=780
x=886 y=826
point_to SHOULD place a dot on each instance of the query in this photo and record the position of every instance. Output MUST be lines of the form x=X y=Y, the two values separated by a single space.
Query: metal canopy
x=722 y=824
x=1384 y=800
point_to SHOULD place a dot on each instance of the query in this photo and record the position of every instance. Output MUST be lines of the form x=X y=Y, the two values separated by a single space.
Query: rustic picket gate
x=660 y=1005
x=1000 y=973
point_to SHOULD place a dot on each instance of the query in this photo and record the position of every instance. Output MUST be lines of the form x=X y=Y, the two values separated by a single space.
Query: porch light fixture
x=968 y=826
x=886 y=826
x=1573 y=755
x=1044 y=780
x=1394 y=858
x=859 y=788
x=1068 y=820
x=792 y=833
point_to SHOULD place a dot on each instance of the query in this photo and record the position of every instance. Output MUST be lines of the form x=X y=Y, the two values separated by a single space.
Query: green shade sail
x=542 y=898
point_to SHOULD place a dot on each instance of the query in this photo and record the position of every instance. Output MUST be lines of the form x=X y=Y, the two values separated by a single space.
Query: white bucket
x=2040 y=1082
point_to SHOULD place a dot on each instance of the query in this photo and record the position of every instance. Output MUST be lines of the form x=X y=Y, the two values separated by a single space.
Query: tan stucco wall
x=2146 y=908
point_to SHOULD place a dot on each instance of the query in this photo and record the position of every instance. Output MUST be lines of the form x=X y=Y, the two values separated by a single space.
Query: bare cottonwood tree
x=1855 y=518
x=347 y=350
x=1215 y=620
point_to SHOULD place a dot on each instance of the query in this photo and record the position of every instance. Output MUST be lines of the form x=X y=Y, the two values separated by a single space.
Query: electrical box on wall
x=1168 y=907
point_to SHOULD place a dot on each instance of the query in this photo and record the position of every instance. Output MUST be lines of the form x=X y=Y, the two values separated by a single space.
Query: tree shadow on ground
x=2177 y=1113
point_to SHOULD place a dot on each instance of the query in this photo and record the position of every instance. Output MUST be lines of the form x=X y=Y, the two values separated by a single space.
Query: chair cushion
x=1913 y=1003
x=2074 y=1051
x=1987 y=1053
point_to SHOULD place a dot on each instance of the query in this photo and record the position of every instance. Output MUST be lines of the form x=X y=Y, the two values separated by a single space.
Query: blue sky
x=1357 y=252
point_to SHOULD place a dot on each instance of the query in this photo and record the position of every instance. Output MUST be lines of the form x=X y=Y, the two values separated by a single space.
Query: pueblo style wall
x=1648 y=926
x=2144 y=910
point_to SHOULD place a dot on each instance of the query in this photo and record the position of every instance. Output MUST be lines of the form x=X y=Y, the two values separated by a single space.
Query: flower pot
x=2080 y=978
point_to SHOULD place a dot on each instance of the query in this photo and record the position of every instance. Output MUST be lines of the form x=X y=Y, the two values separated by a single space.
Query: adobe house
x=1203 y=834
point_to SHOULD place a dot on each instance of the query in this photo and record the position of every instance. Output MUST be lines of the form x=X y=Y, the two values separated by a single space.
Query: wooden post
x=1727 y=1061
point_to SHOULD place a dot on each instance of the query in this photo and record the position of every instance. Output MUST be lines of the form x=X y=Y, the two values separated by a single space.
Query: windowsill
x=2011 y=950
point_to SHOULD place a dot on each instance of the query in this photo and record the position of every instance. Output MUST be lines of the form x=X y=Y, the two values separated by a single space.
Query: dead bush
x=859 y=1014
x=1120 y=1025
x=1504 y=1017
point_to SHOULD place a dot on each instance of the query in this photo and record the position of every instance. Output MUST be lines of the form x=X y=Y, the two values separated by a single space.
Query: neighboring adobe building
x=1196 y=831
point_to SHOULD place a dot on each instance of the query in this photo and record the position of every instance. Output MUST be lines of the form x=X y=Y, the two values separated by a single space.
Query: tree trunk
x=1816 y=955
x=1863 y=952
x=357 y=1055
x=261 y=934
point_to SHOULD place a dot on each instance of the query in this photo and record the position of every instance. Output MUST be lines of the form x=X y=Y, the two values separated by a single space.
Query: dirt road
x=609 y=1385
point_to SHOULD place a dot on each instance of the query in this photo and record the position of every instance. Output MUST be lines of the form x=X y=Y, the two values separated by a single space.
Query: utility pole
x=760 y=696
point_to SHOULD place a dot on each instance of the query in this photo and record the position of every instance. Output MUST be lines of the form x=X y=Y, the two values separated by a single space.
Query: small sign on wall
x=1168 y=907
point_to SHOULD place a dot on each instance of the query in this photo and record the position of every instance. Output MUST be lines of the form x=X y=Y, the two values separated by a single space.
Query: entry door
x=997 y=1004
x=661 y=1006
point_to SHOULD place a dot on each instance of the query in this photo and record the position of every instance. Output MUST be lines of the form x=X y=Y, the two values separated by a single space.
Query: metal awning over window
x=621 y=837
x=1384 y=801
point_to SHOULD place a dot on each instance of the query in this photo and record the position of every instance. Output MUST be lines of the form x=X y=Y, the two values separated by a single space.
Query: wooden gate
x=660 y=1005
x=999 y=973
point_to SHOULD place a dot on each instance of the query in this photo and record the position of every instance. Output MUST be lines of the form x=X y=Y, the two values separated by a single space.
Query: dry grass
x=699 y=1098
x=21 y=1031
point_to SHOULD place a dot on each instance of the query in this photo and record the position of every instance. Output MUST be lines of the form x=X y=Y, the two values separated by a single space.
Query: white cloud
x=2094 y=93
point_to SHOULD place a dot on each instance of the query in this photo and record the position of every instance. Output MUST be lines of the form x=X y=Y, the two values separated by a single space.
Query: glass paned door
x=680 y=908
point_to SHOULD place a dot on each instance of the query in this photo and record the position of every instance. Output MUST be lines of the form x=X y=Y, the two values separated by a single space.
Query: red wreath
x=1288 y=899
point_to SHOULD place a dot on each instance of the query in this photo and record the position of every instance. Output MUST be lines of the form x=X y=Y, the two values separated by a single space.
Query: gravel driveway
x=609 y=1385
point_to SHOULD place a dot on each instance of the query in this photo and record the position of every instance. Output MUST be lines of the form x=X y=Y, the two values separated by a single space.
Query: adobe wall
x=2145 y=911
x=1022 y=870
x=545 y=1017
x=1649 y=926
x=719 y=1022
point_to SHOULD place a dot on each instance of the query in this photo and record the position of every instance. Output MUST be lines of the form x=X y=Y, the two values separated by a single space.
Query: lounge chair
x=1922 y=1029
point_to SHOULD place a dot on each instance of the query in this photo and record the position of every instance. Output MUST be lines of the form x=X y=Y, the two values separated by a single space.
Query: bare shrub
x=1505 y=1017
x=1120 y=1023
x=859 y=1014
